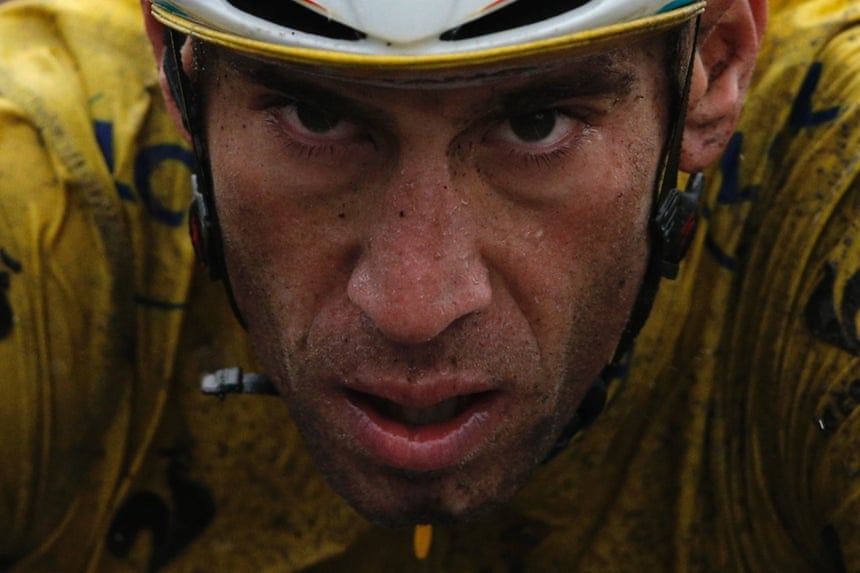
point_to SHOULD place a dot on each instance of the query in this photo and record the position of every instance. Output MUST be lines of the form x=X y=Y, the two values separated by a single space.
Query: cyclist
x=442 y=228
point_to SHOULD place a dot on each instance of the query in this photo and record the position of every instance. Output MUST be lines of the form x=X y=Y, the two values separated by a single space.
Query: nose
x=421 y=269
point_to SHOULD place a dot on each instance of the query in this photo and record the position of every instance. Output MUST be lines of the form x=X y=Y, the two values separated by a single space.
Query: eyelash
x=530 y=158
x=274 y=109
x=540 y=160
x=560 y=151
x=302 y=150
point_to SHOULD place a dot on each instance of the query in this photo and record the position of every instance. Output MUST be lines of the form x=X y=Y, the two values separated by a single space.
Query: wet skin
x=434 y=277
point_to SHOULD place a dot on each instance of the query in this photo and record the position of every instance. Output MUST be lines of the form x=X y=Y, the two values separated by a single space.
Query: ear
x=729 y=40
x=155 y=31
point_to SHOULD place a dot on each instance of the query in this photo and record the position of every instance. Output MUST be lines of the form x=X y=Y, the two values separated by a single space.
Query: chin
x=431 y=514
x=427 y=509
x=397 y=498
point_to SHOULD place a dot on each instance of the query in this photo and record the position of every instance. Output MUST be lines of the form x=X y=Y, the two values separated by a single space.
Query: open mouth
x=422 y=434
x=439 y=413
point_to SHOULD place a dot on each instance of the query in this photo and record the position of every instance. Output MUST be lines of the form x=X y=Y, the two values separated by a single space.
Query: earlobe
x=155 y=31
x=728 y=44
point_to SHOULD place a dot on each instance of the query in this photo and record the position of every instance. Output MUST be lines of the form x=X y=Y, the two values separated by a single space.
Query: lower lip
x=424 y=448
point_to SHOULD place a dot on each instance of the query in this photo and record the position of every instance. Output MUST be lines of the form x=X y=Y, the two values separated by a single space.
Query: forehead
x=601 y=73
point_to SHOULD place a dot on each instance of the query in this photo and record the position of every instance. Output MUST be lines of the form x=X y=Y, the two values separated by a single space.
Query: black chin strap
x=590 y=407
x=674 y=215
x=204 y=227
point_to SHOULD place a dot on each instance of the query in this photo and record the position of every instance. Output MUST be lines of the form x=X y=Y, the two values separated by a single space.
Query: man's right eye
x=546 y=127
x=316 y=120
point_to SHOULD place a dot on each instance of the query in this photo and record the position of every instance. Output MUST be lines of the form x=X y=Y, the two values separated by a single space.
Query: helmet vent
x=512 y=16
x=293 y=15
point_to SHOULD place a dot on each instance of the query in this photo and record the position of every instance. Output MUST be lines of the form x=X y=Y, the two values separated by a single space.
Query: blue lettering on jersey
x=802 y=112
x=831 y=321
x=731 y=191
x=7 y=317
x=148 y=159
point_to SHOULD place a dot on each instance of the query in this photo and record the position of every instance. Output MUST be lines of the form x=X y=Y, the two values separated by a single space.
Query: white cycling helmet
x=420 y=34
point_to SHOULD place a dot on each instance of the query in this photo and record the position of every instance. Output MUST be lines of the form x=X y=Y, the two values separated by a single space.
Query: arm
x=62 y=361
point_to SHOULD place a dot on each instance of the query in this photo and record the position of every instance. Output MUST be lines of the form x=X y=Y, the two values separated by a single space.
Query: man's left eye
x=316 y=120
x=533 y=127
x=545 y=127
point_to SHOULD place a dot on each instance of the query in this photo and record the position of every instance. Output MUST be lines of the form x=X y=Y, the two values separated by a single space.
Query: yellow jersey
x=731 y=437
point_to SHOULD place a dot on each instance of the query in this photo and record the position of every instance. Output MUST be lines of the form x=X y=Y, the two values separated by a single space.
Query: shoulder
x=95 y=264
x=784 y=218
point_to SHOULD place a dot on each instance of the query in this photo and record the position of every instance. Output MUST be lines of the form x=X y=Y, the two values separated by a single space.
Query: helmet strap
x=674 y=213
x=203 y=223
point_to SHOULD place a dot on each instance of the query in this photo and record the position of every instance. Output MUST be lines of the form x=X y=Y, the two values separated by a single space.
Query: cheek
x=574 y=272
x=280 y=263
x=599 y=228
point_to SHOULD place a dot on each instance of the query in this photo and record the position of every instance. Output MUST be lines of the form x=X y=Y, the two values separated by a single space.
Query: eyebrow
x=599 y=77
x=616 y=85
x=276 y=79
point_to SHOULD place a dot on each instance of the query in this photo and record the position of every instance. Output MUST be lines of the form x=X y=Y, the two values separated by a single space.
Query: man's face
x=434 y=277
